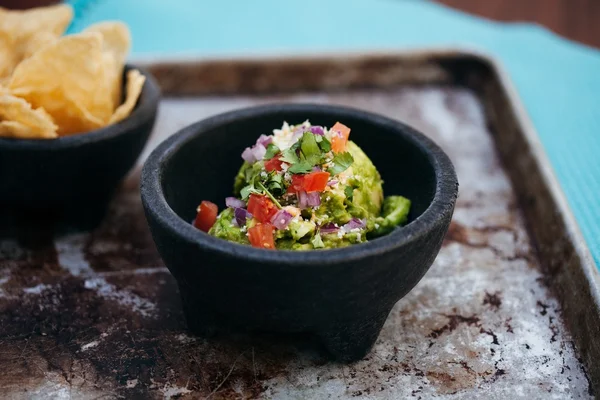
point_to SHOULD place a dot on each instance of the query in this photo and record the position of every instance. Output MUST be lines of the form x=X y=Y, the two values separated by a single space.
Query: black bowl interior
x=205 y=165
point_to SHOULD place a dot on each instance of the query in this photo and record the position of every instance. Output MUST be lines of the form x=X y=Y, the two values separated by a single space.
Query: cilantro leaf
x=341 y=162
x=289 y=156
x=324 y=143
x=349 y=192
x=275 y=184
x=310 y=148
x=300 y=167
x=247 y=190
x=268 y=194
x=253 y=172
x=271 y=151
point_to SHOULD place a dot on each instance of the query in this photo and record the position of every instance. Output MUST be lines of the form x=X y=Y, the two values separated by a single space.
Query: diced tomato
x=261 y=207
x=207 y=215
x=274 y=164
x=339 y=137
x=313 y=182
x=297 y=184
x=261 y=236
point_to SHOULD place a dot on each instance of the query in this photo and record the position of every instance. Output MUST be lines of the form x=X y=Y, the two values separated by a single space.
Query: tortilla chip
x=135 y=84
x=116 y=45
x=29 y=31
x=9 y=58
x=19 y=120
x=66 y=78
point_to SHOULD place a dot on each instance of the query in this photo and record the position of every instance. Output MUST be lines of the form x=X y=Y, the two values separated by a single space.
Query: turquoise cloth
x=559 y=81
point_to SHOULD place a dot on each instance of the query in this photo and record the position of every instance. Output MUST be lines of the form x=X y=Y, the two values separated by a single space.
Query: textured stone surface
x=98 y=315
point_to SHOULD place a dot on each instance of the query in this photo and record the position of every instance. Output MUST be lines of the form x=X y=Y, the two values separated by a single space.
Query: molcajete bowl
x=72 y=178
x=343 y=296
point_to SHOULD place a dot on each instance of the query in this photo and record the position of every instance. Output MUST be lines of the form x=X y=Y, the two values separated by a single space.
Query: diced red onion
x=332 y=183
x=248 y=155
x=241 y=215
x=316 y=169
x=264 y=140
x=313 y=199
x=234 y=222
x=259 y=151
x=354 y=223
x=303 y=127
x=305 y=200
x=281 y=219
x=302 y=199
x=317 y=130
x=329 y=228
x=254 y=153
x=232 y=202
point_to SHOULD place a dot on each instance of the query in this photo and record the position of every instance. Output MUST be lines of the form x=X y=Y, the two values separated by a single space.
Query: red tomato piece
x=274 y=164
x=315 y=181
x=261 y=207
x=339 y=137
x=297 y=184
x=261 y=236
x=207 y=215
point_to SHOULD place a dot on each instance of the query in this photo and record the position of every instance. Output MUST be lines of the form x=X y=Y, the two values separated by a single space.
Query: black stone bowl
x=71 y=179
x=342 y=295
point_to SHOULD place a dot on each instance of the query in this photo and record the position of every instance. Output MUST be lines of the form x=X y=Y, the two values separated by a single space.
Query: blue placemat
x=559 y=81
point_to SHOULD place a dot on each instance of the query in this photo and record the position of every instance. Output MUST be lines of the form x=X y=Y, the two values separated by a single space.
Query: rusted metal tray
x=509 y=309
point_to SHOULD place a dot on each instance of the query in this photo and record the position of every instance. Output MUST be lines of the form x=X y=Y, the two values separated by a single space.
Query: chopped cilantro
x=349 y=192
x=341 y=162
x=254 y=171
x=289 y=156
x=310 y=148
x=301 y=167
x=275 y=183
x=324 y=143
x=266 y=192
x=271 y=151
x=247 y=190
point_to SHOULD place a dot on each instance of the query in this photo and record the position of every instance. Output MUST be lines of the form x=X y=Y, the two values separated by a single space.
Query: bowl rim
x=155 y=203
x=143 y=111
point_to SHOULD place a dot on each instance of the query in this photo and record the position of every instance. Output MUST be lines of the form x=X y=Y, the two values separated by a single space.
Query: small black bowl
x=72 y=178
x=342 y=295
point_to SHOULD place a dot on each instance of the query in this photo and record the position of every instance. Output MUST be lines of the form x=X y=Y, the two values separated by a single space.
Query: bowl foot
x=352 y=341
x=344 y=340
x=199 y=321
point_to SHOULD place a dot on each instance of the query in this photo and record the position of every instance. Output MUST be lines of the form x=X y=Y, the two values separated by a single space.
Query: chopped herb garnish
x=349 y=192
x=272 y=150
x=289 y=156
x=301 y=167
x=265 y=191
x=324 y=143
x=341 y=162
x=253 y=172
x=275 y=183
x=310 y=148
x=247 y=190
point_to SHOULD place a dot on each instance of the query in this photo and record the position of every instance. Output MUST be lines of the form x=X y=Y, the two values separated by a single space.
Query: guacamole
x=305 y=187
